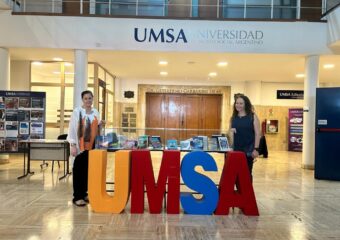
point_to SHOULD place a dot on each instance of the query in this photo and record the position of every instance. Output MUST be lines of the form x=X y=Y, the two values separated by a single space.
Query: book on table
x=172 y=144
x=197 y=143
x=223 y=143
x=155 y=142
x=143 y=141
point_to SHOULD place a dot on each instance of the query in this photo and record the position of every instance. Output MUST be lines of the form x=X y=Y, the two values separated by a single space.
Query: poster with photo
x=2 y=129
x=11 y=129
x=37 y=103
x=24 y=128
x=295 y=129
x=2 y=114
x=11 y=102
x=11 y=144
x=37 y=128
x=2 y=102
x=24 y=102
x=24 y=115
x=11 y=115
x=2 y=144
x=37 y=115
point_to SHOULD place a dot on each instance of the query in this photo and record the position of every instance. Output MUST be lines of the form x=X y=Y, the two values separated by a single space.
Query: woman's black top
x=244 y=138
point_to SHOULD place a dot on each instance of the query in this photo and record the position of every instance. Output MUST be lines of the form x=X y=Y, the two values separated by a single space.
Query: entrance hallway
x=292 y=205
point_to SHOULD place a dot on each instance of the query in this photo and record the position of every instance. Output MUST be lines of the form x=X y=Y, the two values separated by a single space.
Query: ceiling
x=193 y=67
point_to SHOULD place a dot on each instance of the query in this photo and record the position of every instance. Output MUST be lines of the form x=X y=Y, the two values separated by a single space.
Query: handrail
x=330 y=10
x=142 y=8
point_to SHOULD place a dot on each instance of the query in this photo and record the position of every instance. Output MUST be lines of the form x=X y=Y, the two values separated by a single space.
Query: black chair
x=62 y=137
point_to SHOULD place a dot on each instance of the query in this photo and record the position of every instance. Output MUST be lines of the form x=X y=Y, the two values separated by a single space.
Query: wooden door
x=211 y=114
x=155 y=114
x=172 y=116
x=183 y=116
x=191 y=116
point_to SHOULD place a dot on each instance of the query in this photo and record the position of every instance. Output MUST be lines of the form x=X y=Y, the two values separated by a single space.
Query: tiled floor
x=292 y=205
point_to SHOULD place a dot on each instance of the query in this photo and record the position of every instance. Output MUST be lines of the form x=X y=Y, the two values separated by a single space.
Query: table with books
x=111 y=142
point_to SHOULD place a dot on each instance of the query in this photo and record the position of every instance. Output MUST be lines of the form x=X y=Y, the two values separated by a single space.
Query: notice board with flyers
x=22 y=117
x=295 y=129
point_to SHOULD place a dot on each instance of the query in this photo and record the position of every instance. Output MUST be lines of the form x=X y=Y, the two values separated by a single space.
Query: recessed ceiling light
x=57 y=59
x=163 y=63
x=222 y=64
x=212 y=74
x=37 y=63
x=328 y=66
x=68 y=64
x=56 y=72
x=163 y=73
x=300 y=75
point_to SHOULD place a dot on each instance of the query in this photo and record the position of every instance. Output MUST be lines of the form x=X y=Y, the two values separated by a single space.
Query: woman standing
x=83 y=129
x=245 y=129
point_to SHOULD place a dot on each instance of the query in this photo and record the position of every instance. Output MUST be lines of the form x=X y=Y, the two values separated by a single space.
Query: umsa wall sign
x=289 y=94
x=134 y=173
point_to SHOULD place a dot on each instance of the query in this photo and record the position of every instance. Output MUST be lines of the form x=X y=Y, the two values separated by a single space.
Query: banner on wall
x=295 y=129
x=22 y=116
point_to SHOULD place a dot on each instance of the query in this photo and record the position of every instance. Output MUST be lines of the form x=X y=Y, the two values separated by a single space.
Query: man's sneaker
x=80 y=203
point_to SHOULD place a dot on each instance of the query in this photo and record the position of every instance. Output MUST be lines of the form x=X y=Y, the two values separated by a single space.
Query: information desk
x=45 y=150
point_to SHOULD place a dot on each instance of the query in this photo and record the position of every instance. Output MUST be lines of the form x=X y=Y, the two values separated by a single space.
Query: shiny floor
x=292 y=205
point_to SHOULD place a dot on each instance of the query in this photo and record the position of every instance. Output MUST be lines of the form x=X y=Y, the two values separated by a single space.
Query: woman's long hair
x=248 y=107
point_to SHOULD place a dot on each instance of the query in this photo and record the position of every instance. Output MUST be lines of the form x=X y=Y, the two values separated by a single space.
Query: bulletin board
x=22 y=117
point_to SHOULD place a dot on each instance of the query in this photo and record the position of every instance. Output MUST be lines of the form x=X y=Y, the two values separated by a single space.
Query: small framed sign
x=289 y=94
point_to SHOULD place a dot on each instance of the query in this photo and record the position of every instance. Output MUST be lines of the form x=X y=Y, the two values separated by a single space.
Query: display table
x=45 y=150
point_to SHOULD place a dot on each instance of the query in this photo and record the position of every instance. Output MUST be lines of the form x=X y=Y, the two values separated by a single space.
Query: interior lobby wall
x=20 y=75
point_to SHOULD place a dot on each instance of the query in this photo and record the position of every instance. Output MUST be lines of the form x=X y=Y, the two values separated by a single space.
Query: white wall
x=20 y=75
x=268 y=98
x=254 y=90
x=201 y=36
x=132 y=85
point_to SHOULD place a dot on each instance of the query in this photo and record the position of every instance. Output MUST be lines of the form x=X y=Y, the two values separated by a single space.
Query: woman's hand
x=73 y=150
x=232 y=130
x=255 y=153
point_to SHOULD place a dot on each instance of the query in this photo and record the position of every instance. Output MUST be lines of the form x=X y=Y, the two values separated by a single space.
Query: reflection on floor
x=292 y=205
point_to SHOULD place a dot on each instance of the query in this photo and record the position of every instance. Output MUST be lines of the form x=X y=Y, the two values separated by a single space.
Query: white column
x=80 y=76
x=310 y=85
x=4 y=83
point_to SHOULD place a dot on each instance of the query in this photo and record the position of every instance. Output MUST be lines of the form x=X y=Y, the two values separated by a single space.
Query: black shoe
x=79 y=203
x=86 y=199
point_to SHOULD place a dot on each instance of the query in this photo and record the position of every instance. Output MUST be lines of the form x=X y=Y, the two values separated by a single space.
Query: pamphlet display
x=22 y=117
x=295 y=129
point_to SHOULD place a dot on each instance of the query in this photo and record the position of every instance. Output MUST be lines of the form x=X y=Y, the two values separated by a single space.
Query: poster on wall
x=22 y=115
x=295 y=129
